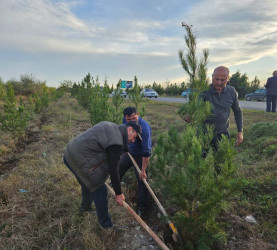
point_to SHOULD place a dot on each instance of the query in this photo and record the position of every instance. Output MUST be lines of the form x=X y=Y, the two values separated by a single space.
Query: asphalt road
x=243 y=104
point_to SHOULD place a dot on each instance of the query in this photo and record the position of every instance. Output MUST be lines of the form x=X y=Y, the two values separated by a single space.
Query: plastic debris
x=22 y=190
x=250 y=219
x=43 y=154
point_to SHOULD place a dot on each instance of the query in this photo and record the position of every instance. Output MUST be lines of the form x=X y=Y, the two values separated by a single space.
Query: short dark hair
x=136 y=126
x=129 y=111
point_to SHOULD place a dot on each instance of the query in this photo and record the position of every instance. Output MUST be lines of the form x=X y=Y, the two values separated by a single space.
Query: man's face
x=133 y=117
x=132 y=134
x=220 y=79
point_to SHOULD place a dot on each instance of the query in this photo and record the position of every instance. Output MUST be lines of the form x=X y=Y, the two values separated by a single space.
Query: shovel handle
x=141 y=222
x=174 y=229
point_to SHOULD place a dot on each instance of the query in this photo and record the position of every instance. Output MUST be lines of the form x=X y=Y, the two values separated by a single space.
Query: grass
x=257 y=160
x=46 y=216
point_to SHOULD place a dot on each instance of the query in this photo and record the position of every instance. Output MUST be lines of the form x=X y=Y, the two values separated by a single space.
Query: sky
x=55 y=40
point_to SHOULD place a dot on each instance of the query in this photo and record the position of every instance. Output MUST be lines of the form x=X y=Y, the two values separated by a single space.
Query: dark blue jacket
x=143 y=147
x=271 y=86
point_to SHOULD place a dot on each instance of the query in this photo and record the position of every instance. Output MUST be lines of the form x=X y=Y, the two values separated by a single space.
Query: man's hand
x=239 y=138
x=119 y=199
x=142 y=174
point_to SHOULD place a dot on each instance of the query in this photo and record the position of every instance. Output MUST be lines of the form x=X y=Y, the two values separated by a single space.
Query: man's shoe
x=142 y=214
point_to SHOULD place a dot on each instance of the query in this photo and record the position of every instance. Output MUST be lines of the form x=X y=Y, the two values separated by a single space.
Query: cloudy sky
x=57 y=40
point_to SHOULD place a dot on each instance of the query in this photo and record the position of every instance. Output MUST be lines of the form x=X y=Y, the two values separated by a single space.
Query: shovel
x=175 y=234
x=141 y=222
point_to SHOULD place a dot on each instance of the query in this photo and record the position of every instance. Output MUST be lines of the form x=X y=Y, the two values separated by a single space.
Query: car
x=259 y=95
x=186 y=93
x=149 y=93
x=123 y=93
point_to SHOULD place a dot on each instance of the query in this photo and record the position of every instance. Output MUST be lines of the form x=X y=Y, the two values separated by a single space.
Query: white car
x=123 y=93
x=149 y=93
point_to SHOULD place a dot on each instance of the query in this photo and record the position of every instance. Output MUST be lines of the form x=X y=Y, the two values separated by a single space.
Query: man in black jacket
x=271 y=93
x=223 y=98
x=94 y=155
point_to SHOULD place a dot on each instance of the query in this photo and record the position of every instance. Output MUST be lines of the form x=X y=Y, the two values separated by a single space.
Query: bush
x=15 y=118
x=99 y=108
x=261 y=139
x=190 y=184
x=2 y=90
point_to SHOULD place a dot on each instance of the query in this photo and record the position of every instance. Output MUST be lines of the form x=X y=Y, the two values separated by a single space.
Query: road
x=243 y=104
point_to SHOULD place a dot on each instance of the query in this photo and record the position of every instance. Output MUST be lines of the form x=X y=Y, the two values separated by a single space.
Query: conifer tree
x=84 y=91
x=189 y=183
x=99 y=108
x=187 y=179
x=117 y=100
x=15 y=118
x=195 y=68
x=197 y=72
x=2 y=90
x=136 y=97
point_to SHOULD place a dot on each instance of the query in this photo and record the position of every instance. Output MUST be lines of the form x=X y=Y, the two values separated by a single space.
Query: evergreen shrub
x=15 y=117
x=190 y=185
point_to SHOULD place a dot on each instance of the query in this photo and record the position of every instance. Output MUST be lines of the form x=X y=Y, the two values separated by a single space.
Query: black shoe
x=142 y=214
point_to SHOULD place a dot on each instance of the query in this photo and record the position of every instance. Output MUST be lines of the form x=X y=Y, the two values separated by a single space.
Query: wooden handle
x=174 y=229
x=141 y=222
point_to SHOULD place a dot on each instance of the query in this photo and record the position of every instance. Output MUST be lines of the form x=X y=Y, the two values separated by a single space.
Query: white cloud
x=236 y=32
x=38 y=22
x=44 y=26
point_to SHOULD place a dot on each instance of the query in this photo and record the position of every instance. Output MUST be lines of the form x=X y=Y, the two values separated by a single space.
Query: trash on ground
x=22 y=190
x=250 y=219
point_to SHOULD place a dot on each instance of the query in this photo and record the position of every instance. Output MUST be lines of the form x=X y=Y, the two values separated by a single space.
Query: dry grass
x=46 y=215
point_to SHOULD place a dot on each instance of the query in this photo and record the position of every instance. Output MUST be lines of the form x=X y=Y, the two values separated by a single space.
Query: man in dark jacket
x=94 y=155
x=271 y=93
x=141 y=152
x=223 y=98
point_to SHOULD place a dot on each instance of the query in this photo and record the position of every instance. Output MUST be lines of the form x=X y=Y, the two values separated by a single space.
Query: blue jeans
x=143 y=194
x=99 y=197
x=271 y=99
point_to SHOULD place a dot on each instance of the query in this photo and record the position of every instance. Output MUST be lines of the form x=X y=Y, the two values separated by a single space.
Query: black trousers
x=143 y=194
x=271 y=102
x=214 y=144
x=100 y=199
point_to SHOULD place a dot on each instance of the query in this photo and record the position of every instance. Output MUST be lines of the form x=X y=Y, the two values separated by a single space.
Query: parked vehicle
x=186 y=93
x=259 y=95
x=149 y=93
x=123 y=93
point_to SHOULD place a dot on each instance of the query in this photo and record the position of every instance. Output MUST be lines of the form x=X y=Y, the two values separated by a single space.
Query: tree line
x=239 y=81
x=20 y=100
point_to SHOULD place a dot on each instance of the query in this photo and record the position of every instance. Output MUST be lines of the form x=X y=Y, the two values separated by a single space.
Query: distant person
x=94 y=155
x=223 y=98
x=141 y=152
x=271 y=93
